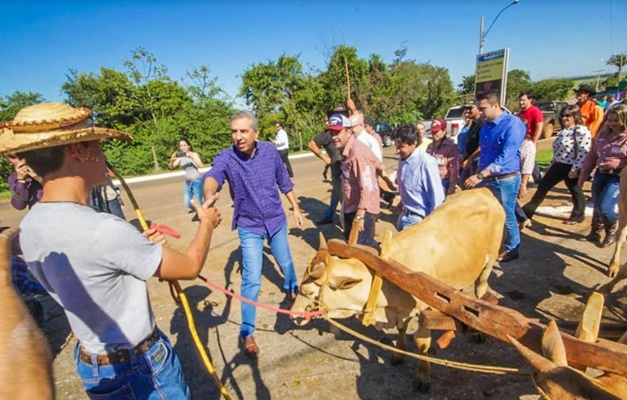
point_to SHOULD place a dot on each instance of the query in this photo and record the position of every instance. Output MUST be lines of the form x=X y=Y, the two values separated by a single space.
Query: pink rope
x=306 y=314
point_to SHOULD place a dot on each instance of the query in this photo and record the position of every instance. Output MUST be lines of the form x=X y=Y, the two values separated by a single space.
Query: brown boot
x=610 y=234
x=595 y=231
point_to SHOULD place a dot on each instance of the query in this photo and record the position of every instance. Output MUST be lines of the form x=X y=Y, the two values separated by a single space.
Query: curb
x=148 y=178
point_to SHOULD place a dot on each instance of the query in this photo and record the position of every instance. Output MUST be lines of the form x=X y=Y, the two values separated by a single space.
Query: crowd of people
x=62 y=176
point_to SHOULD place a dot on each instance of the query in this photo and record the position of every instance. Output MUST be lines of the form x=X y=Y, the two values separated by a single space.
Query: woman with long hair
x=570 y=148
x=609 y=155
x=190 y=161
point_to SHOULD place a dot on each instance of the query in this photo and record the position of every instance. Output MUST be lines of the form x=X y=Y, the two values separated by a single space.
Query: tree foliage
x=618 y=60
x=157 y=110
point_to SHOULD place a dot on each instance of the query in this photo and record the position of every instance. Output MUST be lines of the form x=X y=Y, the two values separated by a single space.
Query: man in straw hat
x=95 y=264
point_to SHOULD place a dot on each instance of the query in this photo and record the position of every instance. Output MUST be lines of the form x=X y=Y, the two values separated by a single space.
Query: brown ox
x=25 y=358
x=457 y=244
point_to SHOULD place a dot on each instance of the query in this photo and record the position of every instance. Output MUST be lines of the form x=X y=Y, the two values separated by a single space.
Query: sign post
x=491 y=73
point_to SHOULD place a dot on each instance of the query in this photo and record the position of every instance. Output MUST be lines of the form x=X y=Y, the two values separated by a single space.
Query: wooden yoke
x=368 y=318
x=491 y=319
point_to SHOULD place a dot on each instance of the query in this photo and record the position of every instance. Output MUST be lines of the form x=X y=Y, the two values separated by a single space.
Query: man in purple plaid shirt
x=255 y=171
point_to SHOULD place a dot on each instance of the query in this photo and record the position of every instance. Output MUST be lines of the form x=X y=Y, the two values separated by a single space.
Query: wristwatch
x=480 y=176
x=359 y=217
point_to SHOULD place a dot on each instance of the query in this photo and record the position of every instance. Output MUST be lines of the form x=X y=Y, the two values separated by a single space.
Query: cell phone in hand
x=180 y=154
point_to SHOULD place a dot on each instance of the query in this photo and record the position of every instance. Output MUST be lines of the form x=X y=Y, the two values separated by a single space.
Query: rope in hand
x=181 y=298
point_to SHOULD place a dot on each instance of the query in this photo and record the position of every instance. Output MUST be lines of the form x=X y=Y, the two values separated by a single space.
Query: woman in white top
x=190 y=161
x=569 y=150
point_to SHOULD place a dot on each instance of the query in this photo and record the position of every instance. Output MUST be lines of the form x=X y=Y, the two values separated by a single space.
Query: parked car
x=385 y=131
x=551 y=111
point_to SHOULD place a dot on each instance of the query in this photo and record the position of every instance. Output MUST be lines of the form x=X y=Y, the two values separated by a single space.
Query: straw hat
x=51 y=124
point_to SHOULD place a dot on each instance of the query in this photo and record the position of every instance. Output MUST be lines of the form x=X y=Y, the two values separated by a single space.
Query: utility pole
x=482 y=35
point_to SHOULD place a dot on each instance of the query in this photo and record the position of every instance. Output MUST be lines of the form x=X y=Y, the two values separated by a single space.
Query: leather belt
x=120 y=356
x=410 y=212
x=504 y=176
x=610 y=171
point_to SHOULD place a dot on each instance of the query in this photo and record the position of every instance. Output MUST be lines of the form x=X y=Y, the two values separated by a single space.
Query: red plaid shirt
x=360 y=168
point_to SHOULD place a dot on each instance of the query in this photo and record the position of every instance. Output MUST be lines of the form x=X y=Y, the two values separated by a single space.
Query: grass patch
x=544 y=157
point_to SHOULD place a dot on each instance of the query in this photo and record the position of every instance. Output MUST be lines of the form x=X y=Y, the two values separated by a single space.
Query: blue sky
x=41 y=41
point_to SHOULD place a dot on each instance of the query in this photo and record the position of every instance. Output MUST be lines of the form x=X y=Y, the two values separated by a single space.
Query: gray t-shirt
x=95 y=265
x=190 y=167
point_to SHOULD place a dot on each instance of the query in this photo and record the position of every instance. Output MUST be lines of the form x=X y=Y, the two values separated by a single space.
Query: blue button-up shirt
x=255 y=183
x=419 y=183
x=500 y=142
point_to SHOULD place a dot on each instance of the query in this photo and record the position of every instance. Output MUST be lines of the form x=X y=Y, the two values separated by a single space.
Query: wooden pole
x=348 y=79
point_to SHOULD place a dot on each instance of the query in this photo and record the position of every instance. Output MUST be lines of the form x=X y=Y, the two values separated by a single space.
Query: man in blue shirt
x=255 y=173
x=500 y=139
x=418 y=176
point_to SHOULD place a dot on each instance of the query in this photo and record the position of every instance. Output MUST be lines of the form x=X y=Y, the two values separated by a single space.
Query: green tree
x=467 y=87
x=11 y=104
x=618 y=60
x=517 y=81
x=552 y=89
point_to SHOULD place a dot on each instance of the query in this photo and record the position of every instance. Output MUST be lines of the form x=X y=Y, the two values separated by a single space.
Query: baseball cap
x=337 y=122
x=438 y=124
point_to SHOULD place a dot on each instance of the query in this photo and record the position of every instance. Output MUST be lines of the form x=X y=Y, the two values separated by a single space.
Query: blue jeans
x=407 y=219
x=335 y=200
x=506 y=191
x=155 y=375
x=446 y=183
x=251 y=245
x=193 y=189
x=605 y=196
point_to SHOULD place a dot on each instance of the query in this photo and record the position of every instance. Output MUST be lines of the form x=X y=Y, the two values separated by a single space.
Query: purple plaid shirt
x=254 y=183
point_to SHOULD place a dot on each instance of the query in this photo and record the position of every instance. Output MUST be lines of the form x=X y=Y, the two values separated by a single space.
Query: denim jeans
x=193 y=189
x=605 y=196
x=406 y=219
x=506 y=191
x=335 y=200
x=155 y=375
x=251 y=245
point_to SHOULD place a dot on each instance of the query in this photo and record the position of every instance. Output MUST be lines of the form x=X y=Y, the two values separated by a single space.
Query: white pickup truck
x=454 y=122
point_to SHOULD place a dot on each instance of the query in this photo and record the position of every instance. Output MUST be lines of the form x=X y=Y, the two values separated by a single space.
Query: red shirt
x=531 y=117
x=360 y=186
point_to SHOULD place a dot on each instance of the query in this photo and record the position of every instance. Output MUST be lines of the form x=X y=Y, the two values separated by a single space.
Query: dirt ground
x=551 y=279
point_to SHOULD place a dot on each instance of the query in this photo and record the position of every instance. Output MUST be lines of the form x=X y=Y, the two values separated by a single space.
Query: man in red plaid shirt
x=360 y=188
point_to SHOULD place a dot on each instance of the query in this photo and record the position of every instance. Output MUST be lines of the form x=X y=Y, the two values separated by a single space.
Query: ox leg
x=422 y=338
x=620 y=240
x=481 y=283
x=401 y=344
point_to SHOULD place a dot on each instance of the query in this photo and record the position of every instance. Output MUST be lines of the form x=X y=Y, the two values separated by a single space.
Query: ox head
x=340 y=285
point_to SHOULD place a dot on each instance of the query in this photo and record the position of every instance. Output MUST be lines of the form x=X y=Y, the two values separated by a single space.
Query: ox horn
x=323 y=242
x=538 y=362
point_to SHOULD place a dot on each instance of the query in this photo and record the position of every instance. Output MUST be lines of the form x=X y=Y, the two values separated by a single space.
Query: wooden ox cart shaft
x=491 y=319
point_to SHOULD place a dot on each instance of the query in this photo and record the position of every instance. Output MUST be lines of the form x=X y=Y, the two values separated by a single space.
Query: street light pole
x=482 y=34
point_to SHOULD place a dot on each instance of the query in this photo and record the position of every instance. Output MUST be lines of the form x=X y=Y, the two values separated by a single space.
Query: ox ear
x=342 y=282
x=323 y=242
